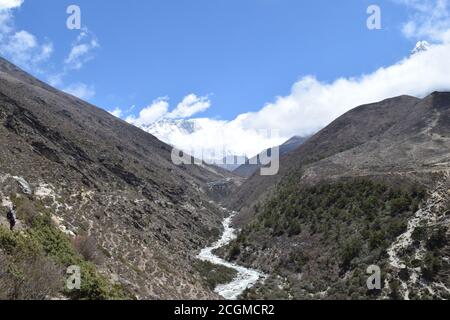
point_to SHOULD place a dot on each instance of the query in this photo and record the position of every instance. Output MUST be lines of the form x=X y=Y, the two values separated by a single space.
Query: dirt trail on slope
x=433 y=213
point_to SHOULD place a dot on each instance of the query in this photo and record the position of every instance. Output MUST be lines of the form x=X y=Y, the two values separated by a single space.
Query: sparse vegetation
x=34 y=260
x=214 y=275
x=329 y=233
x=26 y=273
x=87 y=247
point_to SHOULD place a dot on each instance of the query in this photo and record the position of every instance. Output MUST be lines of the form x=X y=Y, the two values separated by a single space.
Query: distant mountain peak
x=421 y=46
x=166 y=128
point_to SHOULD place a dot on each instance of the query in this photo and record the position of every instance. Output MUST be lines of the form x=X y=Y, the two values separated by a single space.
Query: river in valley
x=246 y=277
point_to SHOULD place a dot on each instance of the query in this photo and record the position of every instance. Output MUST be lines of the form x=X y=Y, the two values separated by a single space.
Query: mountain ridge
x=370 y=189
x=253 y=164
x=354 y=128
x=105 y=178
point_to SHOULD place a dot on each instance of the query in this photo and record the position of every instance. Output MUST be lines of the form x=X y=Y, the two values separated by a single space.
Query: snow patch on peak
x=166 y=129
x=421 y=46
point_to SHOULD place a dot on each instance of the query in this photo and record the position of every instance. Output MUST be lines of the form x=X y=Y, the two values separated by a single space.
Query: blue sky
x=242 y=64
x=242 y=53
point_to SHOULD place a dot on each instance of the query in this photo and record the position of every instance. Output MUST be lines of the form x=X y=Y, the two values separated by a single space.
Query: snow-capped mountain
x=213 y=141
x=167 y=129
x=421 y=46
x=176 y=131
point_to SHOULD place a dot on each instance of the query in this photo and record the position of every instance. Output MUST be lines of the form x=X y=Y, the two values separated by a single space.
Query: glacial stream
x=246 y=277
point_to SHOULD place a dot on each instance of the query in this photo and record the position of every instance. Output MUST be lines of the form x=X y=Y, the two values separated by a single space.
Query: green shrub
x=431 y=266
x=351 y=250
x=294 y=228
x=214 y=275
x=419 y=234
x=45 y=243
x=438 y=239
x=234 y=251
x=338 y=223
x=400 y=204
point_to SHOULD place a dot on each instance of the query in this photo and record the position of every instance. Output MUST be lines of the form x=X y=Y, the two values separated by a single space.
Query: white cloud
x=20 y=46
x=212 y=139
x=430 y=19
x=81 y=91
x=5 y=23
x=22 y=41
x=310 y=106
x=82 y=50
x=55 y=80
x=159 y=109
x=117 y=112
x=190 y=105
x=313 y=104
x=24 y=49
x=154 y=112
x=10 y=4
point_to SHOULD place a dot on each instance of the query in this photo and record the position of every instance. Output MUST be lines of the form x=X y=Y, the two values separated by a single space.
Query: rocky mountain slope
x=372 y=188
x=349 y=137
x=98 y=177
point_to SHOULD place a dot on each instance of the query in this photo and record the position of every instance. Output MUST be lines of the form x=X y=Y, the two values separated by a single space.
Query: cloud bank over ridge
x=313 y=104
